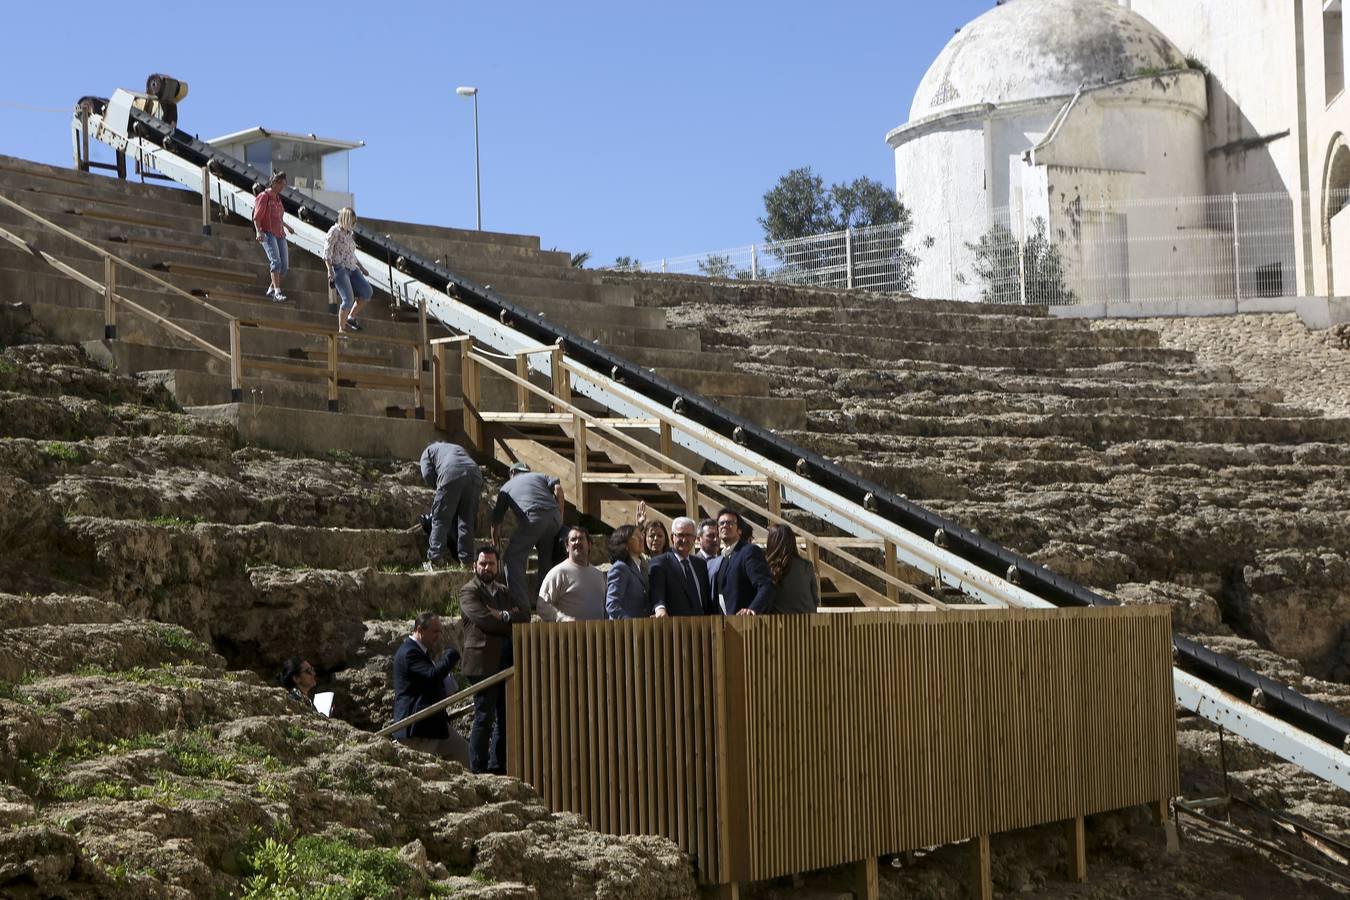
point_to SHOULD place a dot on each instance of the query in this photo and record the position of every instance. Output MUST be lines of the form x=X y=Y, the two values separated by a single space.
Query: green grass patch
x=60 y=450
x=178 y=638
x=322 y=868
x=7 y=366
x=174 y=521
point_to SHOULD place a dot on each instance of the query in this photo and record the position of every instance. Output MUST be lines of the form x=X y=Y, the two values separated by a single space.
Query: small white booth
x=316 y=167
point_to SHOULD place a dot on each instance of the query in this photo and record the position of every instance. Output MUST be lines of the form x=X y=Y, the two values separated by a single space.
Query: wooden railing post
x=422 y=323
x=579 y=462
x=471 y=389
x=667 y=442
x=892 y=569
x=438 y=393
x=419 y=409
x=109 y=298
x=521 y=391
x=562 y=386
x=332 y=373
x=236 y=364
x=775 y=497
x=691 y=497
x=206 y=200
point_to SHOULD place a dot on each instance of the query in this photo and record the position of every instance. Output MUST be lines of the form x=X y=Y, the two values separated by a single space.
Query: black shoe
x=353 y=325
x=499 y=771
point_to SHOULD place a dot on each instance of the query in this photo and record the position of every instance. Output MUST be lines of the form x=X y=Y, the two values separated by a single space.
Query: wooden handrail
x=659 y=412
x=490 y=681
x=234 y=355
x=656 y=457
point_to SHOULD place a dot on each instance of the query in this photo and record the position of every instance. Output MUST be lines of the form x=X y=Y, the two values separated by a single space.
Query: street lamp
x=477 y=182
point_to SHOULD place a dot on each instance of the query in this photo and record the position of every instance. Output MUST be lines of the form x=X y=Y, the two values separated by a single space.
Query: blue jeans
x=487 y=739
x=347 y=280
x=275 y=248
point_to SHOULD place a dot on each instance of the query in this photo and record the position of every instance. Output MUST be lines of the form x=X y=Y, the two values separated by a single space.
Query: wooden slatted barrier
x=766 y=746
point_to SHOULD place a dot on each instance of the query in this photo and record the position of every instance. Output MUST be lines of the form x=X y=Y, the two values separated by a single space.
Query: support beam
x=1075 y=838
x=1163 y=817
x=109 y=298
x=775 y=496
x=866 y=879
x=981 y=869
x=892 y=569
x=522 y=392
x=580 y=451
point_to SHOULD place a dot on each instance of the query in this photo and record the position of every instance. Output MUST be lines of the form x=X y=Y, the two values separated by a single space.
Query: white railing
x=1232 y=246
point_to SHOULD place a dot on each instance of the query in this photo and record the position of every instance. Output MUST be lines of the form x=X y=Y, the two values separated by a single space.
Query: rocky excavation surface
x=1202 y=463
x=152 y=575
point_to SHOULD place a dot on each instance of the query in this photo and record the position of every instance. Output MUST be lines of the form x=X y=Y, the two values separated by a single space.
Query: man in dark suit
x=489 y=611
x=679 y=584
x=743 y=582
x=420 y=683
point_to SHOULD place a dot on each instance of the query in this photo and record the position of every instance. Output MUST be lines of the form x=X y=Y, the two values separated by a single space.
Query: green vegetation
x=1038 y=279
x=175 y=637
x=195 y=754
x=315 y=867
x=60 y=450
x=174 y=521
x=162 y=676
x=7 y=367
x=800 y=205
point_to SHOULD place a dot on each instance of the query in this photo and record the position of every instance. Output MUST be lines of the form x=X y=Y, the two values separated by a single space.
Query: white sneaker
x=270 y=289
x=278 y=297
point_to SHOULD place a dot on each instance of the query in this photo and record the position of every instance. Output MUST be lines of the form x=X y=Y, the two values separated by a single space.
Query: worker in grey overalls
x=459 y=483
x=538 y=504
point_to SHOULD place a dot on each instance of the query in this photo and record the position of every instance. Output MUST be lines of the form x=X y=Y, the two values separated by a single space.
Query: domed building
x=1036 y=120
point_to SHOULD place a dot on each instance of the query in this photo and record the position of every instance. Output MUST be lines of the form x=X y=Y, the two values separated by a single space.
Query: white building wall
x=941 y=178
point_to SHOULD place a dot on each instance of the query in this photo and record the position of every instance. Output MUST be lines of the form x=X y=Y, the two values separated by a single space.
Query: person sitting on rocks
x=458 y=482
x=537 y=501
x=419 y=683
x=298 y=678
x=573 y=589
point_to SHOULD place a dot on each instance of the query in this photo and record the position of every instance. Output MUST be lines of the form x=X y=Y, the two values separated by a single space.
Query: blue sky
x=642 y=129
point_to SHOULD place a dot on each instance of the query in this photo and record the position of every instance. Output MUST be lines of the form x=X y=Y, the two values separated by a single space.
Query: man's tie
x=693 y=582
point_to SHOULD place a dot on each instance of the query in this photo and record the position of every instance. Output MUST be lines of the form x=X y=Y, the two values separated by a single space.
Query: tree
x=579 y=260
x=1040 y=279
x=627 y=262
x=800 y=206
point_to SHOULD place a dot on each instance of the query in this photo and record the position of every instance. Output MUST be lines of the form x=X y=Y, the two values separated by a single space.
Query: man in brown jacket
x=489 y=611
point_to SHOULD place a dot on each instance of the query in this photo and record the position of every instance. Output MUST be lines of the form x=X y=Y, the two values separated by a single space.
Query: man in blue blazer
x=743 y=582
x=420 y=683
x=679 y=581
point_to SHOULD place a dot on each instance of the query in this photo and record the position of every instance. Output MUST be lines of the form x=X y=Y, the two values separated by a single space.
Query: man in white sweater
x=573 y=589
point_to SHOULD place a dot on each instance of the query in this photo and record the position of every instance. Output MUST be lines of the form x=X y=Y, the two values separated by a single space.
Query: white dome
x=1030 y=49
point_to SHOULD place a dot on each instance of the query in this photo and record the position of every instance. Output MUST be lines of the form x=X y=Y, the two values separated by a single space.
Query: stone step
x=44 y=651
x=943 y=333
x=889 y=382
x=1092 y=428
x=29 y=611
x=785 y=349
x=660 y=290
x=901 y=313
x=986 y=404
x=466 y=235
x=168 y=226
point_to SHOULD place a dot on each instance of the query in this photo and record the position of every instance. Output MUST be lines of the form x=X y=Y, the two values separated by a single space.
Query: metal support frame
x=1314 y=755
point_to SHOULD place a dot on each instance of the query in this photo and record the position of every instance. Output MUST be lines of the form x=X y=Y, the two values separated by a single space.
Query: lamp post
x=477 y=181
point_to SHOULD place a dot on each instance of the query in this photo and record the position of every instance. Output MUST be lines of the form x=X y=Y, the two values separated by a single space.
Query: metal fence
x=1233 y=246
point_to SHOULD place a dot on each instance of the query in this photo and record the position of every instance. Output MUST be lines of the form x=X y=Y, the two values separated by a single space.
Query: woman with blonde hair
x=794 y=577
x=345 y=272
